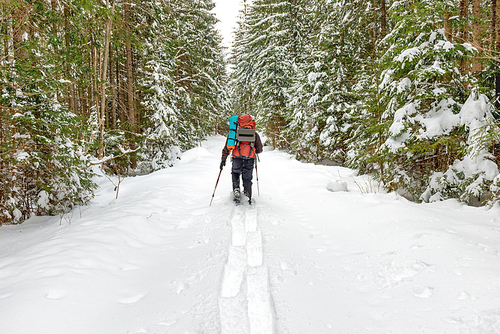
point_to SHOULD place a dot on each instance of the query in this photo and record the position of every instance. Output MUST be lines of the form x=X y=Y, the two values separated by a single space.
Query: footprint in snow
x=6 y=295
x=132 y=299
x=168 y=323
x=463 y=296
x=423 y=292
x=47 y=273
x=55 y=294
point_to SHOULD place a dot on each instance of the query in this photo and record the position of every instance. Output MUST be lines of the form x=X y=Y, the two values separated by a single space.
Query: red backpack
x=245 y=137
x=246 y=122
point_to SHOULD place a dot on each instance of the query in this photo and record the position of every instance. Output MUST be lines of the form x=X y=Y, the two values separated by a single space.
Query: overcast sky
x=227 y=12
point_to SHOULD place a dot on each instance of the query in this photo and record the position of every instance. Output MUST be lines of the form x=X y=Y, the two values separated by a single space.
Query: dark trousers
x=243 y=167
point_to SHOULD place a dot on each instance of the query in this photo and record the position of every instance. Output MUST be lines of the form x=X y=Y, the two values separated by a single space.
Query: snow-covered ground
x=302 y=260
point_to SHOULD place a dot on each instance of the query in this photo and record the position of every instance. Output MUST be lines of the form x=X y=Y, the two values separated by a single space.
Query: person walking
x=243 y=157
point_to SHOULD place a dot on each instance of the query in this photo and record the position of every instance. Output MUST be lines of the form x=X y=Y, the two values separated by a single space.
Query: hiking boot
x=237 y=193
x=249 y=195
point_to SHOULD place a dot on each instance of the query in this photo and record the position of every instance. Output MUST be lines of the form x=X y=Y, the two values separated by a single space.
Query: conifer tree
x=242 y=68
x=183 y=81
x=268 y=39
x=423 y=84
x=42 y=148
x=323 y=97
x=121 y=83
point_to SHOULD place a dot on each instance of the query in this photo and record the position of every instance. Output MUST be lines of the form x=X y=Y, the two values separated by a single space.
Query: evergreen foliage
x=124 y=85
x=186 y=73
x=264 y=63
x=404 y=90
x=385 y=87
x=421 y=86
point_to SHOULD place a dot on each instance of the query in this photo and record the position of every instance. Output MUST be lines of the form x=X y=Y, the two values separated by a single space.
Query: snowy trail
x=245 y=300
x=366 y=262
x=160 y=260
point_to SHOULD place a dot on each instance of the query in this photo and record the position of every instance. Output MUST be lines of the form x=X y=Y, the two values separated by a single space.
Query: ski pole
x=216 y=183
x=257 y=174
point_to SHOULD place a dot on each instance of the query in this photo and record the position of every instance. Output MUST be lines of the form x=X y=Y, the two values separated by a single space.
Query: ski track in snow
x=245 y=301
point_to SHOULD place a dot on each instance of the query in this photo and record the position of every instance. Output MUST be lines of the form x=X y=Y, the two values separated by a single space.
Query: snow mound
x=336 y=185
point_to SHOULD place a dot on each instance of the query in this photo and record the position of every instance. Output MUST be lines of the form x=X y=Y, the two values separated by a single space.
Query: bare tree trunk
x=112 y=87
x=130 y=85
x=464 y=15
x=122 y=109
x=72 y=94
x=130 y=82
x=82 y=98
x=377 y=111
x=19 y=30
x=493 y=23
x=383 y=21
x=493 y=17
x=93 y=98
x=497 y=48
x=104 y=76
x=128 y=64
x=5 y=24
x=448 y=32
x=476 y=34
x=53 y=4
x=464 y=30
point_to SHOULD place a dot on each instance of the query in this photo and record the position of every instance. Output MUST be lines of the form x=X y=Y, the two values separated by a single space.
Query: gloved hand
x=222 y=164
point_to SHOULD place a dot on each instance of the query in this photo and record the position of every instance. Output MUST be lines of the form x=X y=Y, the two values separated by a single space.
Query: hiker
x=243 y=157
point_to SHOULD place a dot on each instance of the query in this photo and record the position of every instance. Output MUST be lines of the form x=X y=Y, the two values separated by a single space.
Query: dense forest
x=122 y=85
x=406 y=91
